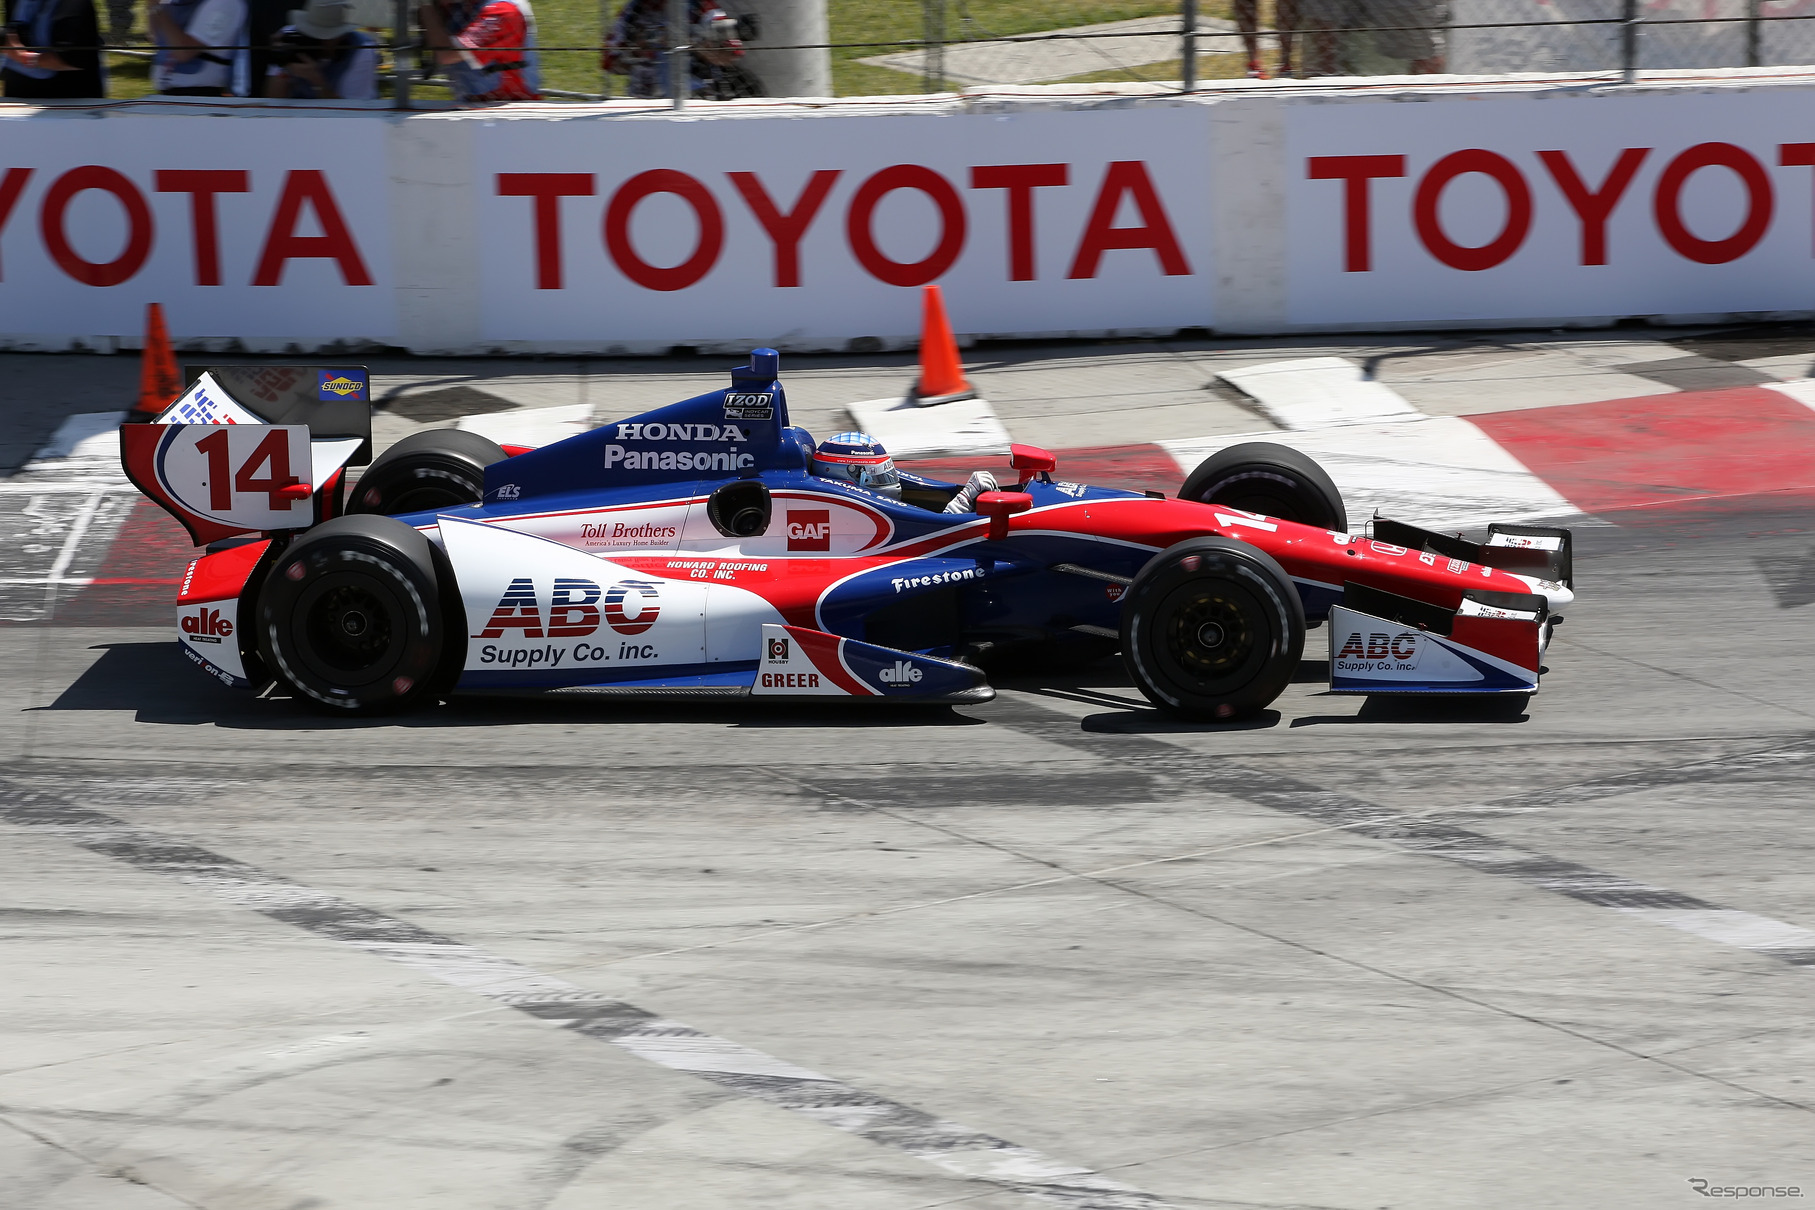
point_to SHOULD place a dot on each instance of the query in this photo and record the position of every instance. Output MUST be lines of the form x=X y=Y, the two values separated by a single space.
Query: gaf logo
x=903 y=673
x=209 y=627
x=778 y=651
x=747 y=405
x=809 y=529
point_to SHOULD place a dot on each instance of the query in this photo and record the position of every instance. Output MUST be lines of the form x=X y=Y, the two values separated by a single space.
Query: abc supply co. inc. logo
x=575 y=609
x=338 y=386
x=809 y=529
x=1378 y=652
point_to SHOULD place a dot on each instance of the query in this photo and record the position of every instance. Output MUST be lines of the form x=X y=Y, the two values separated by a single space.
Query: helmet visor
x=876 y=474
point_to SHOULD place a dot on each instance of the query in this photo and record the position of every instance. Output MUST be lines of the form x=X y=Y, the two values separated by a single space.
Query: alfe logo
x=341 y=386
x=209 y=627
x=903 y=673
x=647 y=605
x=810 y=529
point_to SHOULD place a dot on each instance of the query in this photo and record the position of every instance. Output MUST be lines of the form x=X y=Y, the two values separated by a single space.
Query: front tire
x=351 y=615
x=1212 y=629
x=1269 y=479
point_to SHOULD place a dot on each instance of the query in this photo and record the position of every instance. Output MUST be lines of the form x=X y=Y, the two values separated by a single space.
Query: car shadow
x=155 y=683
x=1393 y=708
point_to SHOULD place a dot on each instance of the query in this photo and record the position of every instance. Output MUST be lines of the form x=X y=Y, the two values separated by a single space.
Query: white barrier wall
x=1262 y=208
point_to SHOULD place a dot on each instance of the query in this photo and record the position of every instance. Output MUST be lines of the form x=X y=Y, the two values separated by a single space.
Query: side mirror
x=1031 y=460
x=740 y=509
x=999 y=507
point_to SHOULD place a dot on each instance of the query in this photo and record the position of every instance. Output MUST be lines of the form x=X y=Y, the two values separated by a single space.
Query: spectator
x=52 y=50
x=321 y=55
x=638 y=42
x=199 y=41
x=487 y=46
x=1247 y=20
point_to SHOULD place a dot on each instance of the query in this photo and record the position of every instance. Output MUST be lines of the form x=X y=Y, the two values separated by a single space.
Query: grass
x=578 y=24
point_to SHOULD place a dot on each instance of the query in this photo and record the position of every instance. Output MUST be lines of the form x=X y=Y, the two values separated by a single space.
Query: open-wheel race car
x=692 y=550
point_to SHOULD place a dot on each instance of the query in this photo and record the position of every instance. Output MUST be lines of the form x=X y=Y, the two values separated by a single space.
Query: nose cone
x=1557 y=594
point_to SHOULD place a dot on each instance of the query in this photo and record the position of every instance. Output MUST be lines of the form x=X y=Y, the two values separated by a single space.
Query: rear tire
x=351 y=616
x=442 y=468
x=1273 y=480
x=1212 y=629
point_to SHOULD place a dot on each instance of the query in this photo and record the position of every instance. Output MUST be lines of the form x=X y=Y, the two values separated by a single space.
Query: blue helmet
x=858 y=459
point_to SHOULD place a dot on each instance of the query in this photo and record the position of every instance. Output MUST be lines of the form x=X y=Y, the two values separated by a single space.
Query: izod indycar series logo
x=1376 y=653
x=207 y=627
x=809 y=529
x=576 y=610
x=678 y=460
x=749 y=405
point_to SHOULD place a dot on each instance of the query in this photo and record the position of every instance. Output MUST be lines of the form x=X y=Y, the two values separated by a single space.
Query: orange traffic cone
x=159 y=383
x=941 y=374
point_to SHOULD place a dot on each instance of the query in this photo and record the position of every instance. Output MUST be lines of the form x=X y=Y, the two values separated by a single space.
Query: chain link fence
x=594 y=49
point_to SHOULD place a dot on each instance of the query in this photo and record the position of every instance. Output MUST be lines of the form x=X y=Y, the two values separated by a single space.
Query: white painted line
x=85 y=435
x=1433 y=471
x=530 y=426
x=962 y=428
x=1318 y=392
x=1802 y=390
x=956 y=1148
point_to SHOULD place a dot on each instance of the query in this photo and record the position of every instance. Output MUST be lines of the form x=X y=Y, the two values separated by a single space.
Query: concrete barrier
x=1255 y=208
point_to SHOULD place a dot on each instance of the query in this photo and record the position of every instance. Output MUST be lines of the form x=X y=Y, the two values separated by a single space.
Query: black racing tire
x=1273 y=480
x=442 y=468
x=1212 y=629
x=352 y=616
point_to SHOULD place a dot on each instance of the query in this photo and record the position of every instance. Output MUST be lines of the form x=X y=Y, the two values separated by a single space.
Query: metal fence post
x=1188 y=11
x=400 y=47
x=1753 y=51
x=932 y=66
x=1629 y=42
x=680 y=66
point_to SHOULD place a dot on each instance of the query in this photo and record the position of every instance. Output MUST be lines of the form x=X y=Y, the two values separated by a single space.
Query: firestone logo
x=809 y=529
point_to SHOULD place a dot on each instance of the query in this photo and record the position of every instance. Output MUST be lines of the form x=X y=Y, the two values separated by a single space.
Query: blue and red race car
x=693 y=550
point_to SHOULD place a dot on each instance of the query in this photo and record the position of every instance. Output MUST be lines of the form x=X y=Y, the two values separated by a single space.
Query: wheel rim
x=347 y=629
x=1211 y=637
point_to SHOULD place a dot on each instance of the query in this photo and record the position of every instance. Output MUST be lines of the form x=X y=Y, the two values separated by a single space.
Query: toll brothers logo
x=623 y=458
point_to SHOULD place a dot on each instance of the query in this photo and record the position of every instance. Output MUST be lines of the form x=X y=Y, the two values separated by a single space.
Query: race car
x=711 y=548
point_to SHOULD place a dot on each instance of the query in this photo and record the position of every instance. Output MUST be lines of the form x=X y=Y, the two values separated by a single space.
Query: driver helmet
x=858 y=459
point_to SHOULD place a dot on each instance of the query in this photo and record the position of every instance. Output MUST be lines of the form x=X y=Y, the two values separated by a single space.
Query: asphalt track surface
x=1052 y=950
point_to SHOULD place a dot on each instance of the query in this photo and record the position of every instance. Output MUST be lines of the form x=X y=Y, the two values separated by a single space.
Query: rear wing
x=252 y=449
